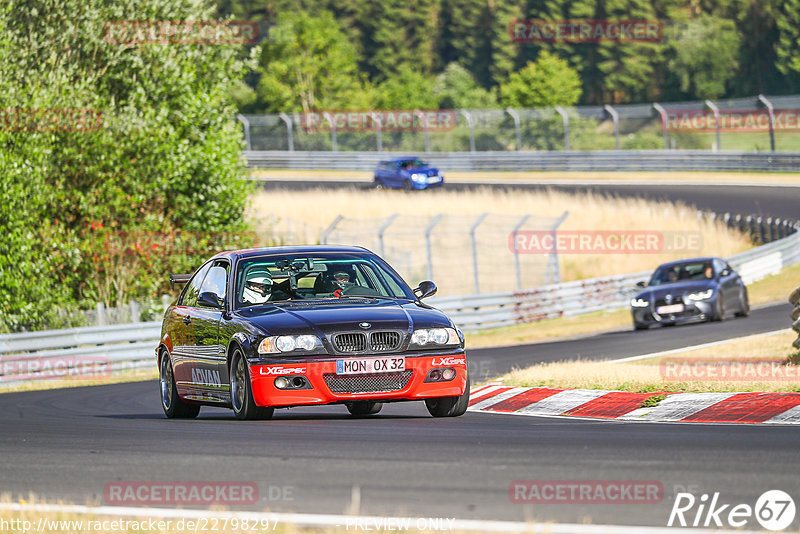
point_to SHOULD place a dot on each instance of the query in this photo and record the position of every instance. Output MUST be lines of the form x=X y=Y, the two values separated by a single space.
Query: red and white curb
x=771 y=408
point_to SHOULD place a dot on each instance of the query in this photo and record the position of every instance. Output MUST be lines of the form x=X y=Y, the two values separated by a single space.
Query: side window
x=189 y=297
x=216 y=280
x=719 y=266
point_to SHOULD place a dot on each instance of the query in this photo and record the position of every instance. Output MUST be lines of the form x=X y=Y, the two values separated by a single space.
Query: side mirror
x=210 y=299
x=641 y=283
x=725 y=272
x=425 y=289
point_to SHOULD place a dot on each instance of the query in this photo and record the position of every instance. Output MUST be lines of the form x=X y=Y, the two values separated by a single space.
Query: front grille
x=356 y=342
x=375 y=383
x=384 y=341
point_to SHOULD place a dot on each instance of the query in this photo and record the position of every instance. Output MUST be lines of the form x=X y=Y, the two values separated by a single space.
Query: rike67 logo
x=774 y=510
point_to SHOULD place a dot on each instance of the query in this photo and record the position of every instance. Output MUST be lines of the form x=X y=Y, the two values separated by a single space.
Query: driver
x=339 y=280
x=257 y=290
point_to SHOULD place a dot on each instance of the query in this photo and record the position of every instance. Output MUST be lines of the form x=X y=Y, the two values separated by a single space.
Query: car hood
x=427 y=170
x=327 y=317
x=676 y=289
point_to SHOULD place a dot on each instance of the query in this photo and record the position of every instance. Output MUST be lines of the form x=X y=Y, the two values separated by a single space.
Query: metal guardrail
x=85 y=352
x=794 y=300
x=595 y=160
x=53 y=353
x=480 y=312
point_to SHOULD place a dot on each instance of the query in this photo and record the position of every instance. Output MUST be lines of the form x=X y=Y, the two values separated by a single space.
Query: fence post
x=323 y=239
x=334 y=145
x=428 y=249
x=663 y=113
x=771 y=114
x=101 y=314
x=424 y=121
x=713 y=107
x=246 y=124
x=565 y=119
x=471 y=126
x=474 y=245
x=553 y=272
x=382 y=229
x=614 y=117
x=289 y=129
x=517 y=268
x=378 y=132
x=518 y=131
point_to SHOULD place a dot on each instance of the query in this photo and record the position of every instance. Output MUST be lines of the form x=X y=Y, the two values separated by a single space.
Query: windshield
x=667 y=274
x=278 y=278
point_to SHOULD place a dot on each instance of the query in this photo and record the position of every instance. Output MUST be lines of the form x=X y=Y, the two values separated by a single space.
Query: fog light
x=436 y=374
x=448 y=374
x=298 y=382
x=282 y=382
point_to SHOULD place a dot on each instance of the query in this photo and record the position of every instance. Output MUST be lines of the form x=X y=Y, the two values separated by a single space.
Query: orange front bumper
x=265 y=393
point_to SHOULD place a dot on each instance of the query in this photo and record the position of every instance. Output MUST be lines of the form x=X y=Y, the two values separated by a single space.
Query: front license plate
x=674 y=308
x=362 y=366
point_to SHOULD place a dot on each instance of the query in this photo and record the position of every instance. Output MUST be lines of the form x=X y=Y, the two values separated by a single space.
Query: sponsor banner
x=586 y=31
x=405 y=120
x=180 y=493
x=586 y=492
x=732 y=120
x=692 y=369
x=50 y=120
x=135 y=32
x=603 y=241
x=12 y=368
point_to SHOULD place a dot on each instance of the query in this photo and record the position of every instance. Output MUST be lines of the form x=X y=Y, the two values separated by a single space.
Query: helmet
x=257 y=289
x=341 y=277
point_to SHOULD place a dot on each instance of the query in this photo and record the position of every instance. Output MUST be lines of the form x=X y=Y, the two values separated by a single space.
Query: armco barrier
x=594 y=160
x=131 y=346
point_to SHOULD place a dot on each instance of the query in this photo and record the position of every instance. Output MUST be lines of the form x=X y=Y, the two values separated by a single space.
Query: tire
x=719 y=310
x=744 y=304
x=378 y=185
x=640 y=326
x=174 y=407
x=449 y=406
x=360 y=409
x=242 y=403
x=407 y=186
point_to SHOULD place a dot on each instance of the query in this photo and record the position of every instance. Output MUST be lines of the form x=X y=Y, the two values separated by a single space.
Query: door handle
x=187 y=320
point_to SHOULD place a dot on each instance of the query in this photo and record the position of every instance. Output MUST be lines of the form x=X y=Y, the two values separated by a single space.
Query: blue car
x=700 y=289
x=408 y=174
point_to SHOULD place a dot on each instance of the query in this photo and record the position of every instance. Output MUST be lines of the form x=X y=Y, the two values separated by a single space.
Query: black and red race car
x=268 y=328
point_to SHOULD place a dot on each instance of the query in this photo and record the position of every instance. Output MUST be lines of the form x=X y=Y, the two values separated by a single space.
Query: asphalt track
x=68 y=444
x=772 y=201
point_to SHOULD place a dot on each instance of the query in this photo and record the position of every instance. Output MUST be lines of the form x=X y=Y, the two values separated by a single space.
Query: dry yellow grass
x=308 y=212
x=647 y=375
x=744 y=177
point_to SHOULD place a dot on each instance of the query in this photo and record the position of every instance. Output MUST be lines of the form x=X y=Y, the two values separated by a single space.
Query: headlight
x=701 y=295
x=434 y=336
x=417 y=177
x=278 y=344
x=639 y=303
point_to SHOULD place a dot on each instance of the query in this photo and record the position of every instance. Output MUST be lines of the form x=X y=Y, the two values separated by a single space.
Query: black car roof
x=304 y=249
x=689 y=260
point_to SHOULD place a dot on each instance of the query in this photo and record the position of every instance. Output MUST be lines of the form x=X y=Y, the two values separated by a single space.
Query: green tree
x=549 y=81
x=788 y=45
x=163 y=156
x=456 y=88
x=307 y=64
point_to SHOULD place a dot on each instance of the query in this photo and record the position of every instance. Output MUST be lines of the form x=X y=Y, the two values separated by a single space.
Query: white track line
x=677 y=407
x=491 y=401
x=562 y=401
x=693 y=347
x=342 y=521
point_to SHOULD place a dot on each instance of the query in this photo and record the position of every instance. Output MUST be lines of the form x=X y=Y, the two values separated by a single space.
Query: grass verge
x=700 y=370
